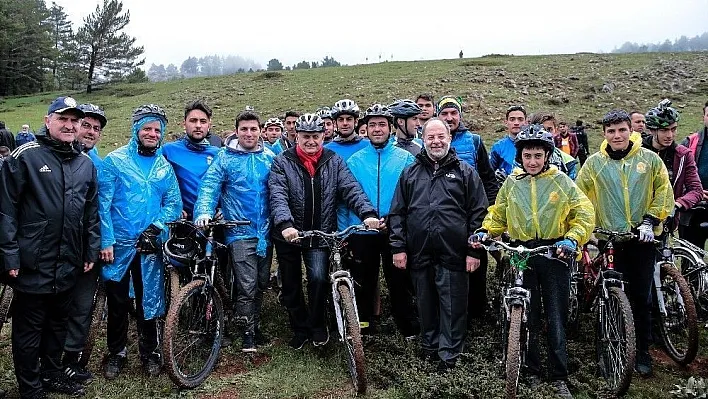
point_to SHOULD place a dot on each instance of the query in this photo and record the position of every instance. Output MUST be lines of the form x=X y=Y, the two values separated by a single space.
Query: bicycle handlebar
x=338 y=235
x=613 y=235
x=521 y=250
x=213 y=223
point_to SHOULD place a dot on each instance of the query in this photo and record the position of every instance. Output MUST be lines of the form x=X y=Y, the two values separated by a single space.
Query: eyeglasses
x=96 y=128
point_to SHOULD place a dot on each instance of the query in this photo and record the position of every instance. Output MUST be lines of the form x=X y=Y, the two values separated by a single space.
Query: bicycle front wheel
x=615 y=340
x=352 y=340
x=696 y=280
x=678 y=328
x=513 y=351
x=193 y=333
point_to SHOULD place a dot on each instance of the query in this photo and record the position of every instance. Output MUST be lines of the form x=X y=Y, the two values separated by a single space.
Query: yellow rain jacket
x=547 y=206
x=625 y=190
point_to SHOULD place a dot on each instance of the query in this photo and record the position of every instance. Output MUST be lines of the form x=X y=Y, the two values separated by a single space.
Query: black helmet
x=533 y=135
x=377 y=110
x=309 y=123
x=344 y=107
x=404 y=109
x=662 y=116
x=94 y=111
x=185 y=246
x=149 y=110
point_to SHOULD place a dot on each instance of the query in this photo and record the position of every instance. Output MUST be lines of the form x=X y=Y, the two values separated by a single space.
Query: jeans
x=548 y=280
x=251 y=273
x=442 y=306
x=305 y=320
x=81 y=310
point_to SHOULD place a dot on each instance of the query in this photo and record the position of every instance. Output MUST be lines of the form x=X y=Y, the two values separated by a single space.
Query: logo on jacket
x=209 y=158
x=45 y=169
x=450 y=175
x=641 y=167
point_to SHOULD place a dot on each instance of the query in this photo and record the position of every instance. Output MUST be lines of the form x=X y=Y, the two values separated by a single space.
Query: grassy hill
x=569 y=85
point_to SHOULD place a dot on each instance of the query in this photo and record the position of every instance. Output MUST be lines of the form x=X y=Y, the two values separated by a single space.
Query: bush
x=695 y=388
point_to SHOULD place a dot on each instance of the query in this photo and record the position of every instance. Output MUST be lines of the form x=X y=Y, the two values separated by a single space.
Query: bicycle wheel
x=99 y=306
x=615 y=343
x=174 y=285
x=6 y=294
x=355 y=348
x=193 y=333
x=696 y=280
x=679 y=327
x=513 y=351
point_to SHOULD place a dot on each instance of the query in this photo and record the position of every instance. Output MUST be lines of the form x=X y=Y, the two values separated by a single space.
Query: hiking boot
x=249 y=343
x=262 y=339
x=431 y=357
x=62 y=384
x=77 y=373
x=298 y=341
x=533 y=381
x=114 y=365
x=562 y=389
x=643 y=365
x=152 y=366
x=320 y=338
x=444 y=367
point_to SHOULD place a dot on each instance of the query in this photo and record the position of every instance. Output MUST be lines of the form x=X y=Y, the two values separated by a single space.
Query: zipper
x=378 y=187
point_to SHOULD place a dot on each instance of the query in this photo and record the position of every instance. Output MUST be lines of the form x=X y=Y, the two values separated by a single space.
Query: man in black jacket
x=439 y=200
x=50 y=234
x=305 y=183
x=6 y=137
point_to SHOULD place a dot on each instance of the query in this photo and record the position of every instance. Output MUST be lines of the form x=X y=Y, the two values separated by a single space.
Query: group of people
x=8 y=141
x=420 y=180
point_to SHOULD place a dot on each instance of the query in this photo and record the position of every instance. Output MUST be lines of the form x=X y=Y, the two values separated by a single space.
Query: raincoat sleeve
x=476 y=206
x=106 y=189
x=350 y=192
x=279 y=196
x=92 y=223
x=662 y=204
x=171 y=201
x=584 y=181
x=11 y=186
x=397 y=216
x=581 y=217
x=495 y=221
x=210 y=189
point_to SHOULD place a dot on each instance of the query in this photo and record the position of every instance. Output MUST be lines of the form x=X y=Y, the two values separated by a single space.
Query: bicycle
x=674 y=312
x=515 y=303
x=691 y=261
x=601 y=291
x=344 y=301
x=194 y=326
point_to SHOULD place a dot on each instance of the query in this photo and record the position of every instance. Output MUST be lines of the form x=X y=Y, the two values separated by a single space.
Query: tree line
x=41 y=50
x=211 y=65
x=276 y=65
x=682 y=44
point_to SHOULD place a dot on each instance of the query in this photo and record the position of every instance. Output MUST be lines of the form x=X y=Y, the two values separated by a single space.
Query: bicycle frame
x=599 y=273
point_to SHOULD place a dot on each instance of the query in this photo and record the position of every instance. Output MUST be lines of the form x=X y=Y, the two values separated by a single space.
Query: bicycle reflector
x=185 y=246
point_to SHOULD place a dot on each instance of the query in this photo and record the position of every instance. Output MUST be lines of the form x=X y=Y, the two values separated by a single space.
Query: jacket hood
x=231 y=145
x=355 y=140
x=636 y=140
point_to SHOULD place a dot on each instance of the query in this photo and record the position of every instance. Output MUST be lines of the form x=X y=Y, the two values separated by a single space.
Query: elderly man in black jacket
x=50 y=233
x=305 y=183
x=439 y=201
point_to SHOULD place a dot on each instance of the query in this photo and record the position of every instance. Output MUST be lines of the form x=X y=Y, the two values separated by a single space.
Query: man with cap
x=24 y=136
x=139 y=194
x=471 y=149
x=50 y=235
x=79 y=322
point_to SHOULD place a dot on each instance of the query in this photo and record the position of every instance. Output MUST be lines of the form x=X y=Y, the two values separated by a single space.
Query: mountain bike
x=344 y=301
x=515 y=304
x=194 y=327
x=691 y=261
x=601 y=291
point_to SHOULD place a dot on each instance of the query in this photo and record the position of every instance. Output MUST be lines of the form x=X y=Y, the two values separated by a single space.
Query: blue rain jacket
x=345 y=149
x=466 y=144
x=378 y=170
x=240 y=180
x=129 y=201
x=503 y=155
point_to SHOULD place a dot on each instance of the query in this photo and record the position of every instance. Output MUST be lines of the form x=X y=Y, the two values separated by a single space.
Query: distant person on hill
x=639 y=123
x=503 y=152
x=24 y=136
x=583 y=146
x=6 y=137
x=288 y=140
x=565 y=140
x=427 y=106
x=461 y=54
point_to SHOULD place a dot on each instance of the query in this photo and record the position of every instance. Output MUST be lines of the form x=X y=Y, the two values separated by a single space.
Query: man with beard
x=439 y=201
x=565 y=140
x=191 y=155
x=639 y=123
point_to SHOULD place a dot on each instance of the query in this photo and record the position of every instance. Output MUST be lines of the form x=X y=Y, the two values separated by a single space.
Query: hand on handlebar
x=475 y=241
x=291 y=234
x=646 y=231
x=202 y=221
x=566 y=248
x=373 y=223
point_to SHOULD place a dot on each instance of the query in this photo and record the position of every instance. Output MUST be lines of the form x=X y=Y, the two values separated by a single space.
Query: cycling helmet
x=378 y=110
x=185 y=246
x=94 y=111
x=661 y=117
x=274 y=122
x=533 y=135
x=309 y=123
x=149 y=110
x=404 y=109
x=324 y=113
x=344 y=107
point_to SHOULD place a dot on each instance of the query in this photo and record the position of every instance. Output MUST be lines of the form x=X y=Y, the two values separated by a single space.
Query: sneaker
x=298 y=341
x=431 y=357
x=320 y=338
x=444 y=367
x=249 y=343
x=643 y=365
x=62 y=384
x=226 y=342
x=262 y=339
x=152 y=366
x=114 y=365
x=562 y=390
x=533 y=381
x=78 y=374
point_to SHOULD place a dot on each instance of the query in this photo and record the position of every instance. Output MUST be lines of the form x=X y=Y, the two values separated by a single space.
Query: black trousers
x=477 y=297
x=80 y=310
x=38 y=334
x=118 y=295
x=693 y=232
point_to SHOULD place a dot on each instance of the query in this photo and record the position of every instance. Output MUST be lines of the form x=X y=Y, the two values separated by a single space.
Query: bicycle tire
x=174 y=284
x=355 y=348
x=688 y=319
x=513 y=352
x=5 y=301
x=99 y=306
x=618 y=380
x=686 y=265
x=194 y=295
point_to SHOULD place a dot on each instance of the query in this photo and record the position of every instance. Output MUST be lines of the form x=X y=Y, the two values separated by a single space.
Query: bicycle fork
x=338 y=278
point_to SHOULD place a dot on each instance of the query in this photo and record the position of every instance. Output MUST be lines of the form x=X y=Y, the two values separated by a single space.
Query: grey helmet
x=378 y=110
x=344 y=107
x=324 y=113
x=309 y=123
x=274 y=122
x=149 y=110
x=94 y=111
x=533 y=135
x=404 y=109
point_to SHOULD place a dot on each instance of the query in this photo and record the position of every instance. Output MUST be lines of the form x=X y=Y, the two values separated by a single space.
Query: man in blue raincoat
x=239 y=178
x=139 y=194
